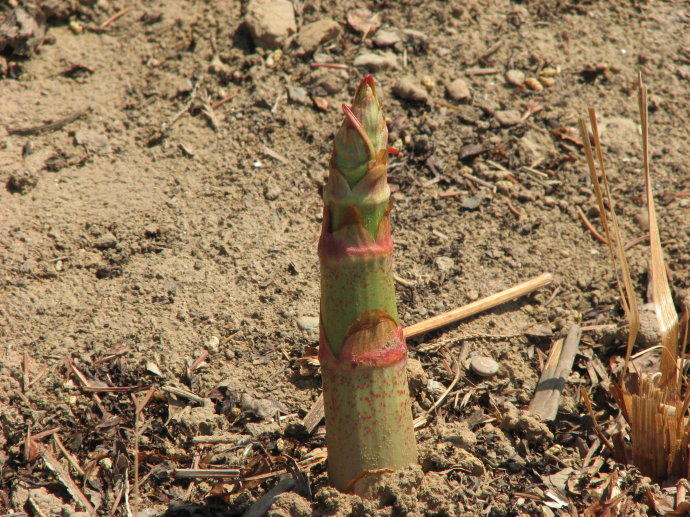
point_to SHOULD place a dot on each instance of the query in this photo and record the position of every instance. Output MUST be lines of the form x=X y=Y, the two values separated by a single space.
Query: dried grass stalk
x=653 y=405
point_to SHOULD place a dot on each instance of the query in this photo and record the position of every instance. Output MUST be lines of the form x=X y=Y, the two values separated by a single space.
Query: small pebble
x=308 y=323
x=472 y=295
x=484 y=366
x=409 y=89
x=105 y=241
x=428 y=82
x=94 y=141
x=298 y=94
x=508 y=117
x=376 y=62
x=326 y=82
x=458 y=90
x=534 y=84
x=153 y=368
x=313 y=34
x=213 y=343
x=549 y=71
x=271 y=192
x=641 y=218
x=546 y=81
x=434 y=387
x=515 y=77
x=363 y=20
x=270 y=22
x=506 y=187
x=417 y=39
x=526 y=196
x=422 y=144
x=384 y=38
x=76 y=27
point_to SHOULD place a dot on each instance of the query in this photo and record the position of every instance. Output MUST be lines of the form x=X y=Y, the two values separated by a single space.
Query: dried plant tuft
x=655 y=406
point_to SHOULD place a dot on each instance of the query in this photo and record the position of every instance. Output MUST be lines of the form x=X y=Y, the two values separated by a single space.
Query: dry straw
x=654 y=405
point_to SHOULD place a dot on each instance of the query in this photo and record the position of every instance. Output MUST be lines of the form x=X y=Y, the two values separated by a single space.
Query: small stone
x=213 y=343
x=470 y=115
x=458 y=90
x=321 y=103
x=641 y=218
x=298 y=94
x=409 y=89
x=484 y=366
x=515 y=77
x=547 y=81
x=271 y=191
x=153 y=368
x=533 y=84
x=422 y=144
x=308 y=323
x=325 y=81
x=428 y=82
x=434 y=387
x=508 y=117
x=417 y=39
x=376 y=62
x=181 y=86
x=506 y=187
x=444 y=264
x=261 y=408
x=384 y=38
x=314 y=34
x=363 y=20
x=270 y=22
x=525 y=196
x=76 y=27
x=95 y=142
x=550 y=71
x=472 y=295
x=105 y=241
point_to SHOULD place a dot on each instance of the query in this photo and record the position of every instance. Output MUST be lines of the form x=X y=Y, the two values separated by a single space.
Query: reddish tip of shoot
x=393 y=150
x=367 y=81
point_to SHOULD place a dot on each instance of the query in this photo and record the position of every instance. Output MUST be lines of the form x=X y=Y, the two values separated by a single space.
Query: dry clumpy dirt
x=158 y=228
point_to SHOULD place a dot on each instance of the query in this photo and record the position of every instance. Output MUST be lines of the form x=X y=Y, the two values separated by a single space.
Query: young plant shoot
x=361 y=345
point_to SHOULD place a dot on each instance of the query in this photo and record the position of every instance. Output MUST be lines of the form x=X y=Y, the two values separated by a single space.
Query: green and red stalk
x=361 y=345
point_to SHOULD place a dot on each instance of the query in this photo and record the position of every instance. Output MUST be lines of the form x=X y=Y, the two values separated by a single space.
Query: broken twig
x=48 y=126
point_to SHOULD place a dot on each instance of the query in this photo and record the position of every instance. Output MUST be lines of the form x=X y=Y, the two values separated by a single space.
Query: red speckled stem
x=362 y=347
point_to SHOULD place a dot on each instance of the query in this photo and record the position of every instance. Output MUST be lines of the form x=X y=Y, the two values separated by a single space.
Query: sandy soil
x=152 y=229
